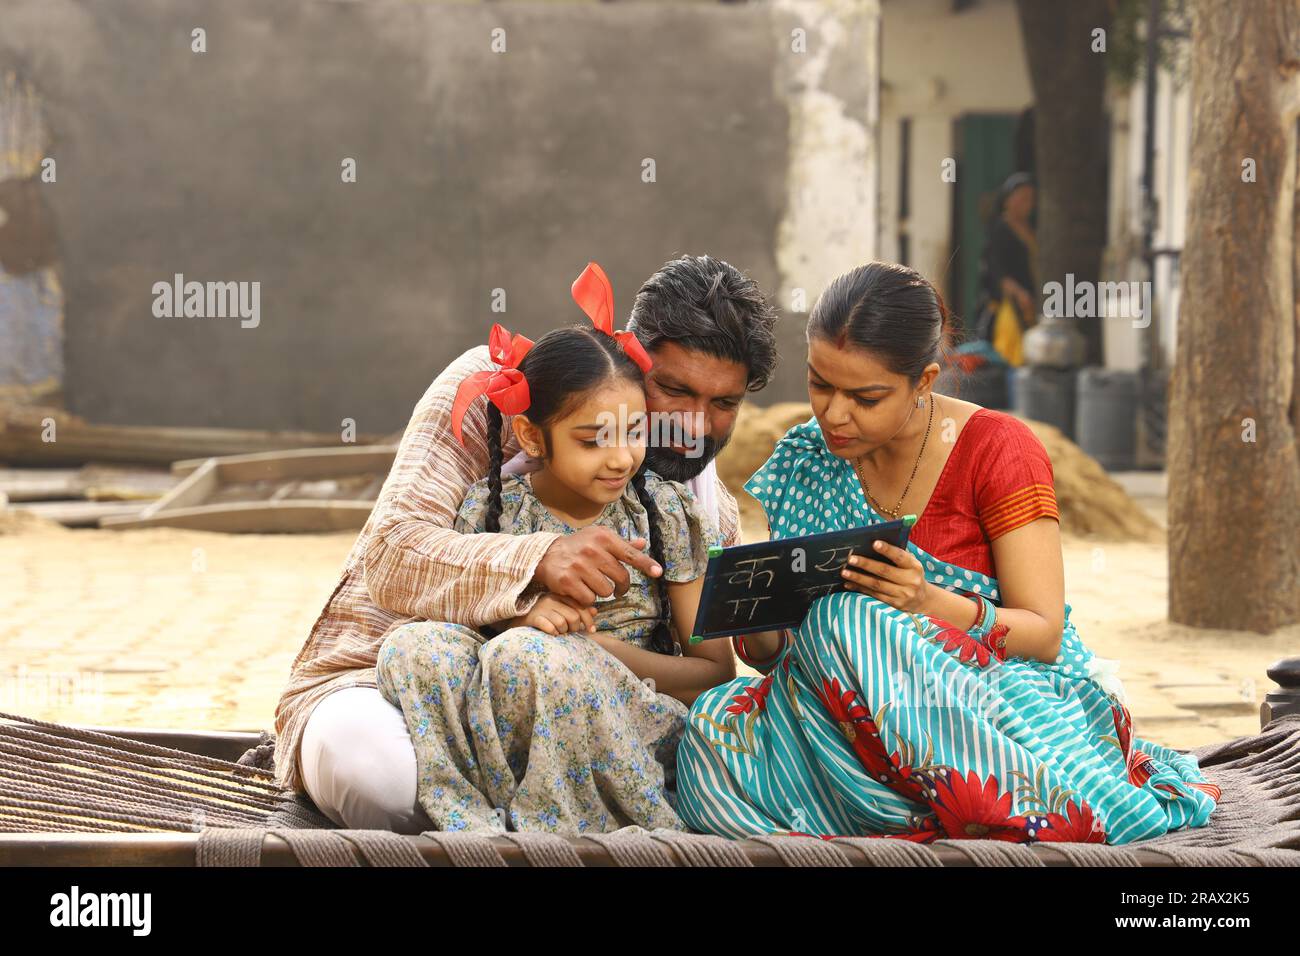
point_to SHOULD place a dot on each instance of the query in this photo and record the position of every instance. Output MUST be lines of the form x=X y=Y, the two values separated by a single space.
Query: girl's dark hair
x=561 y=367
x=887 y=309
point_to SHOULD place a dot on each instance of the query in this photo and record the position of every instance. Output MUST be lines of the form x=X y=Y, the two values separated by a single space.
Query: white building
x=940 y=66
x=954 y=82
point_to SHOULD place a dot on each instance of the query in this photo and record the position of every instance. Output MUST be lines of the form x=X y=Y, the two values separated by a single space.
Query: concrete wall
x=476 y=170
x=31 y=299
x=827 y=71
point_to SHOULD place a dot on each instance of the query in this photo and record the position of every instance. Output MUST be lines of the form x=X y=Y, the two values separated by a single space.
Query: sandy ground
x=166 y=628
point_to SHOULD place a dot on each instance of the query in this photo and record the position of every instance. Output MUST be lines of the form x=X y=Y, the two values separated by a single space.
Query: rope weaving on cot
x=60 y=779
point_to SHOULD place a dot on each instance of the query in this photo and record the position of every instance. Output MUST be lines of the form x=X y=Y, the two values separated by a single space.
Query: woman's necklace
x=895 y=511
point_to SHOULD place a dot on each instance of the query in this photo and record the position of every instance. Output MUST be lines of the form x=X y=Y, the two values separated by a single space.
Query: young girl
x=565 y=719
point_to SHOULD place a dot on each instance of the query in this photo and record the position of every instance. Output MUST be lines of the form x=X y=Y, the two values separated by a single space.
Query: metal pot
x=1054 y=343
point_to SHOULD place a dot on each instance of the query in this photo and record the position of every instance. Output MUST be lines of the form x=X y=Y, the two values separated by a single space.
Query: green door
x=985 y=157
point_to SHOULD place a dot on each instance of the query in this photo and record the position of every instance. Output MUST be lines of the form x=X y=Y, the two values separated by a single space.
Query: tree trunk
x=1070 y=140
x=1234 y=477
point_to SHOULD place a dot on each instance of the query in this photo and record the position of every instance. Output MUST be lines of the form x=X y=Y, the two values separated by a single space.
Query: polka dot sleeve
x=786 y=486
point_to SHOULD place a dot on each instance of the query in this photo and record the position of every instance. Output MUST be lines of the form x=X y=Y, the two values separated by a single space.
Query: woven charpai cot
x=64 y=780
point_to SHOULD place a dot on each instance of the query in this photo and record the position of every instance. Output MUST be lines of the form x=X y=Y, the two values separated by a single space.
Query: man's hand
x=590 y=564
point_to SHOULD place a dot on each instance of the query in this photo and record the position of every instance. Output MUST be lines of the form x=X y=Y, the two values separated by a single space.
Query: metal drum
x=1107 y=405
x=986 y=385
x=1046 y=395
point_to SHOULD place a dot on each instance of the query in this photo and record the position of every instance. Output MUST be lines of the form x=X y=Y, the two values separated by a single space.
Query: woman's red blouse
x=997 y=479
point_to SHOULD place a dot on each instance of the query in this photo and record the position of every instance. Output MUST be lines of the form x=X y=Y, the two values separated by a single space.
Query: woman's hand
x=900 y=583
x=556 y=615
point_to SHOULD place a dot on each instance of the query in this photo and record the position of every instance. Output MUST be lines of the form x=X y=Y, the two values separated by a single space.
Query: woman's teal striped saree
x=879 y=722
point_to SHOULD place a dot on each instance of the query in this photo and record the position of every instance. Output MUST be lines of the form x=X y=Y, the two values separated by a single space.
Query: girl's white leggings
x=358 y=765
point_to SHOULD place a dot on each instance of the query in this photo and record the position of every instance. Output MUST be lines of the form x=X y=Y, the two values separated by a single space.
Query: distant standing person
x=1009 y=270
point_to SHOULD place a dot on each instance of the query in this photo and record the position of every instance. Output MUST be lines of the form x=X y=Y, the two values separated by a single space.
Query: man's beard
x=674 y=466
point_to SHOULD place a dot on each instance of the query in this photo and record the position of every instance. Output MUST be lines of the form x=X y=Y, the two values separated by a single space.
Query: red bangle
x=738 y=645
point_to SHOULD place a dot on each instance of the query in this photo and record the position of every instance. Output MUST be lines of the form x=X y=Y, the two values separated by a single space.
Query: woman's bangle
x=986 y=629
x=738 y=645
x=984 y=620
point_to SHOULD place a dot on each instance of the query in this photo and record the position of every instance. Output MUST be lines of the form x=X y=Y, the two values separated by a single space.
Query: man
x=711 y=335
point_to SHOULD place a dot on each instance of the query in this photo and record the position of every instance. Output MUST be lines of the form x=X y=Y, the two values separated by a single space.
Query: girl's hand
x=556 y=615
x=899 y=584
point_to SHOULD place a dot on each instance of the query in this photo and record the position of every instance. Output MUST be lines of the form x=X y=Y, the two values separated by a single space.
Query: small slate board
x=770 y=585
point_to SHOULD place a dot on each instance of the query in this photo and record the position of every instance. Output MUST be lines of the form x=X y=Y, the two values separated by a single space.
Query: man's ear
x=529 y=436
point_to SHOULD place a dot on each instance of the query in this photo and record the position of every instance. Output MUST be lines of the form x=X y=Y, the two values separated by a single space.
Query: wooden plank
x=194 y=490
x=40 y=484
x=286 y=490
x=106 y=483
x=81 y=514
x=77 y=442
x=300 y=463
x=95 y=482
x=256 y=517
x=203 y=499
x=179 y=849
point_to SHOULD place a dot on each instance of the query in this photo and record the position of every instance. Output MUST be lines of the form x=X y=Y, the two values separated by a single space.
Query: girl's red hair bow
x=595 y=295
x=506 y=387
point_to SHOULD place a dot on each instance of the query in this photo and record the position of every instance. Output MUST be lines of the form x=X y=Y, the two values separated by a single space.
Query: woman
x=1008 y=269
x=945 y=693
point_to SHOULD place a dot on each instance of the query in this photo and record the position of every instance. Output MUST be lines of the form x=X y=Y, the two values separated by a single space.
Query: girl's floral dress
x=529 y=731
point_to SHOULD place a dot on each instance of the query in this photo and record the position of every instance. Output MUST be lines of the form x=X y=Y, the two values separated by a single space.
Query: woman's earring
x=920 y=402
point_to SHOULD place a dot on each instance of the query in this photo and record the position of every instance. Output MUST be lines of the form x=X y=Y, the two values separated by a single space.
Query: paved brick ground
x=157 y=628
x=166 y=628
